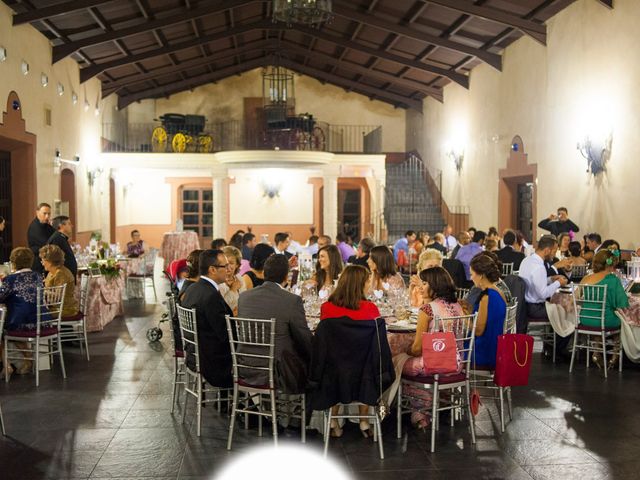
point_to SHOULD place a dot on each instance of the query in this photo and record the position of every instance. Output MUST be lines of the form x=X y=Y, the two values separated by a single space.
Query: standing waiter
x=38 y=234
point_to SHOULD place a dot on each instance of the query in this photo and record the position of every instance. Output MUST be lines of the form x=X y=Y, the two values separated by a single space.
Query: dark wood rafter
x=88 y=73
x=62 y=51
x=607 y=3
x=193 y=82
x=55 y=10
x=352 y=67
x=111 y=87
x=371 y=92
x=537 y=31
x=492 y=59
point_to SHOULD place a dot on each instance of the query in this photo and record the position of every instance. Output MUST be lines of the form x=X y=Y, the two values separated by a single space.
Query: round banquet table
x=176 y=245
x=104 y=301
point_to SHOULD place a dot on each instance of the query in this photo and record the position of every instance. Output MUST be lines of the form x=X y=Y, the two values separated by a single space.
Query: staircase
x=409 y=202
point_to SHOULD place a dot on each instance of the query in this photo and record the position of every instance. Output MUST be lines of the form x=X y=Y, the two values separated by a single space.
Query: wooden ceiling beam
x=112 y=87
x=367 y=90
x=408 y=62
x=55 y=10
x=359 y=69
x=88 y=73
x=163 y=90
x=181 y=16
x=492 y=59
x=537 y=31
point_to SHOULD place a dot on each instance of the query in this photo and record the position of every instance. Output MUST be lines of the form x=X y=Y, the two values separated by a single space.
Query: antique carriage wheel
x=180 y=142
x=159 y=139
x=317 y=139
x=205 y=144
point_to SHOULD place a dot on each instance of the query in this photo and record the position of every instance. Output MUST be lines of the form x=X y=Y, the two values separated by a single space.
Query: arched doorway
x=68 y=194
x=517 y=192
x=18 y=192
x=354 y=208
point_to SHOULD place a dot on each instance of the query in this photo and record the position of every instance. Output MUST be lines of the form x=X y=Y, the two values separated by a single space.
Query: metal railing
x=237 y=135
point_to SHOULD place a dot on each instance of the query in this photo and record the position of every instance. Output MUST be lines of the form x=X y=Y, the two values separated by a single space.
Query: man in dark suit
x=63 y=230
x=215 y=352
x=38 y=234
x=282 y=240
x=438 y=244
x=362 y=254
x=293 y=337
x=509 y=254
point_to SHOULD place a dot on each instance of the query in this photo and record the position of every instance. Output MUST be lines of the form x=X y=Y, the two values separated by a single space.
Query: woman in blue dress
x=491 y=307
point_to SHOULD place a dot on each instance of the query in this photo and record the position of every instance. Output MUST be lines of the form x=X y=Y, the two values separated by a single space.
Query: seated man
x=539 y=286
x=64 y=230
x=204 y=296
x=281 y=241
x=438 y=243
x=293 y=337
x=510 y=252
x=362 y=253
x=467 y=252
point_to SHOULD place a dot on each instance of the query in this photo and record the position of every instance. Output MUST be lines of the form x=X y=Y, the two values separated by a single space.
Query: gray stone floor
x=110 y=419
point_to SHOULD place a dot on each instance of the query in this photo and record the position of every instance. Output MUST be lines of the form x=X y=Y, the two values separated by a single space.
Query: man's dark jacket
x=37 y=236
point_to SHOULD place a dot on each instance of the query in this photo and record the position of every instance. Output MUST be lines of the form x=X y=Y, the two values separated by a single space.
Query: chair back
x=579 y=271
x=252 y=346
x=464 y=329
x=589 y=303
x=85 y=280
x=49 y=307
x=3 y=315
x=507 y=268
x=510 y=318
x=189 y=330
x=149 y=262
x=461 y=293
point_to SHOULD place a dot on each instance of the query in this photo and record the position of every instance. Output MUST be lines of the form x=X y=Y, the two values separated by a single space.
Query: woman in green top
x=604 y=266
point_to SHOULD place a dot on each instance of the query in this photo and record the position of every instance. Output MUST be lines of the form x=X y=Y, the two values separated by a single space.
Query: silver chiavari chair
x=507 y=269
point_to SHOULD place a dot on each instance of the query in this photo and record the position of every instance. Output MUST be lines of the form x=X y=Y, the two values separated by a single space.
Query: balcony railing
x=236 y=135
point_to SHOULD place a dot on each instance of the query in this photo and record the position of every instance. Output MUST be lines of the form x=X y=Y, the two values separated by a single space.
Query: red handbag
x=440 y=353
x=513 y=360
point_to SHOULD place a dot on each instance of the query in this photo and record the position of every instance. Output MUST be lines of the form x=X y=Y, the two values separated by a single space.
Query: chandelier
x=309 y=12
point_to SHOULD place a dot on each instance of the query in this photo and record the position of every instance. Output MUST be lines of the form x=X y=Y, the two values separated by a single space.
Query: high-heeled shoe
x=612 y=361
x=596 y=358
x=336 y=431
x=365 y=429
x=26 y=368
x=9 y=371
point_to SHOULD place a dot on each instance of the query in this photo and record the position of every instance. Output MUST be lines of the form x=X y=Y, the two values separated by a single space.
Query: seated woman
x=605 y=263
x=52 y=258
x=255 y=276
x=18 y=292
x=575 y=254
x=234 y=285
x=349 y=300
x=439 y=294
x=563 y=246
x=193 y=274
x=383 y=270
x=491 y=308
x=328 y=269
x=429 y=258
x=136 y=247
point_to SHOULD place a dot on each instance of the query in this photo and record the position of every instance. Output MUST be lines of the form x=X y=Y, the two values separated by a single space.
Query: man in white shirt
x=450 y=241
x=539 y=287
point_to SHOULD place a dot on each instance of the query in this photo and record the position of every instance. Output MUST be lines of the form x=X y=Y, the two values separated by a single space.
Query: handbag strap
x=379 y=355
x=526 y=353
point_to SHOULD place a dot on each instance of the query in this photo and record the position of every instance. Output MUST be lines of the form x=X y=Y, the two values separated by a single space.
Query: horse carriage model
x=292 y=132
x=185 y=133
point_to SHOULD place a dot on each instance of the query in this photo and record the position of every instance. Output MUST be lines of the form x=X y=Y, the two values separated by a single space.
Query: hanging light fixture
x=309 y=12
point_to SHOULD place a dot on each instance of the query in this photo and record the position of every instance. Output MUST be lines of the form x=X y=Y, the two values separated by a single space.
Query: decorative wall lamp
x=93 y=174
x=596 y=152
x=270 y=188
x=458 y=158
x=58 y=161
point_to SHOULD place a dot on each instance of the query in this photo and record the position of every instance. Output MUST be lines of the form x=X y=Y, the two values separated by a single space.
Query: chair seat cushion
x=242 y=383
x=73 y=318
x=589 y=328
x=179 y=354
x=442 y=380
x=44 y=332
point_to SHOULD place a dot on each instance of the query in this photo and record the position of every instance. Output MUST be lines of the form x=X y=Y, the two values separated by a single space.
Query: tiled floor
x=110 y=419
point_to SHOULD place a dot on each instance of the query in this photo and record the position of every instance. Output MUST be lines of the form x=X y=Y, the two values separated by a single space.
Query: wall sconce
x=596 y=152
x=58 y=161
x=271 y=188
x=457 y=157
x=93 y=174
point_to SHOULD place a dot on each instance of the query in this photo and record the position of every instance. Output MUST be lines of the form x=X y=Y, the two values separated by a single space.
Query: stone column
x=220 y=201
x=330 y=200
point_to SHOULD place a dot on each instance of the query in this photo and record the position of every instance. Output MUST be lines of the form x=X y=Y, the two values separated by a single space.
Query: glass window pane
x=192 y=229
x=190 y=194
x=190 y=207
x=207 y=219
x=207 y=231
x=191 y=220
x=207 y=195
x=207 y=207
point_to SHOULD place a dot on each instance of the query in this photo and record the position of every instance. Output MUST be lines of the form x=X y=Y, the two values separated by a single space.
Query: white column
x=330 y=200
x=220 y=202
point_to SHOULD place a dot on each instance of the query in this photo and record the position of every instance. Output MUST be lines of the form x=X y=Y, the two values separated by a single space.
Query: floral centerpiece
x=109 y=268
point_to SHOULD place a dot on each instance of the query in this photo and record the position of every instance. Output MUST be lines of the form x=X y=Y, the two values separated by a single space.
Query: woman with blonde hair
x=429 y=258
x=233 y=285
